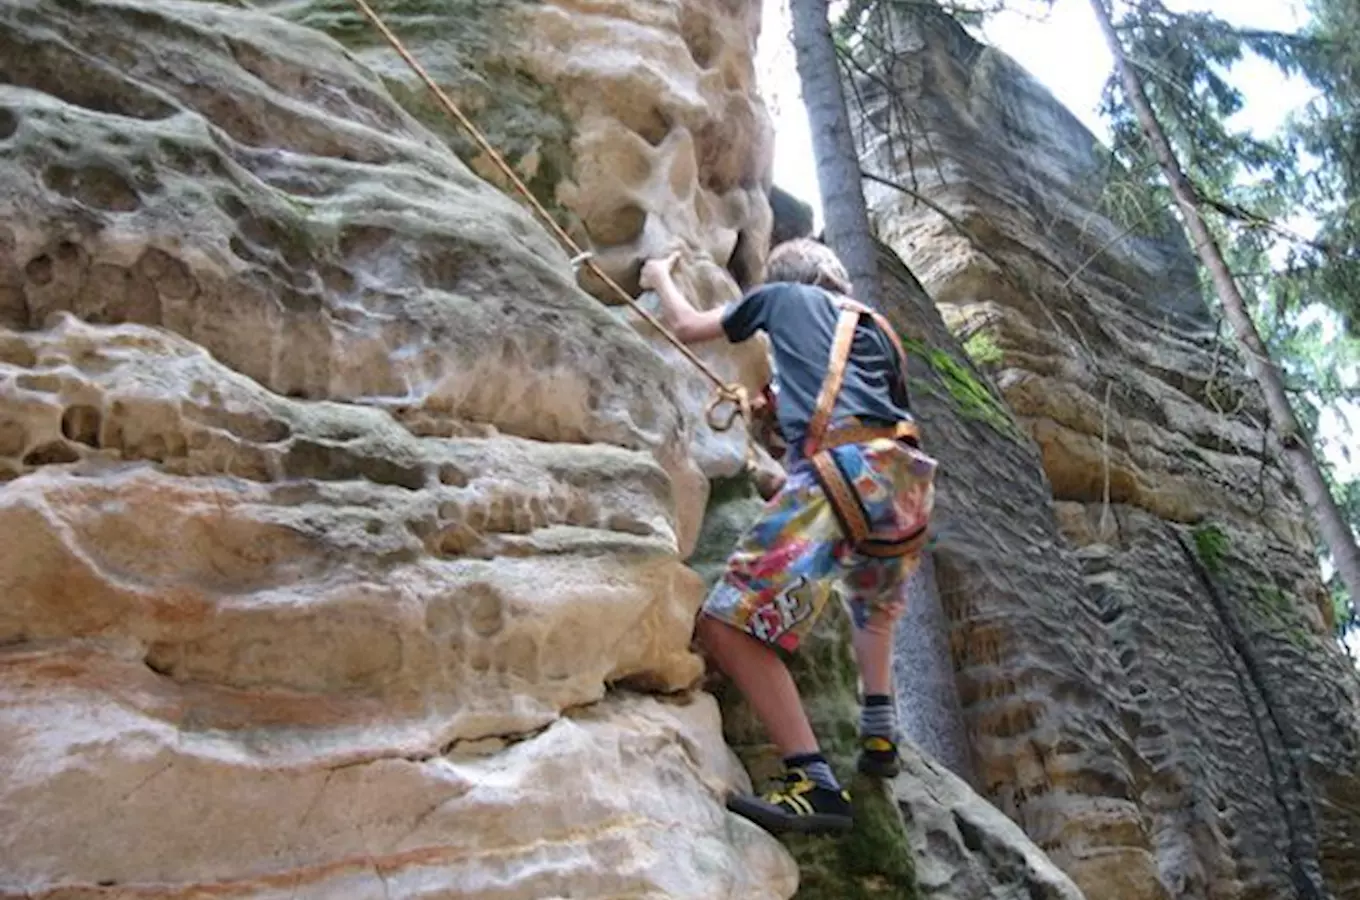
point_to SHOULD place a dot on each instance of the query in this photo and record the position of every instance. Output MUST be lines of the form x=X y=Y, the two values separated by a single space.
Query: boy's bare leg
x=873 y=651
x=764 y=681
x=873 y=641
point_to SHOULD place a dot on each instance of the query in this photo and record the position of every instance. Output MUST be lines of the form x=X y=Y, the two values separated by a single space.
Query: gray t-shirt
x=801 y=322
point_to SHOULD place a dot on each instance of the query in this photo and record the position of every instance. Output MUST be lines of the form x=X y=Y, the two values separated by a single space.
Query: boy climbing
x=850 y=518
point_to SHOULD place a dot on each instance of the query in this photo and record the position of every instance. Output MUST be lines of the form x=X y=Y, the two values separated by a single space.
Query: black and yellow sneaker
x=878 y=758
x=799 y=804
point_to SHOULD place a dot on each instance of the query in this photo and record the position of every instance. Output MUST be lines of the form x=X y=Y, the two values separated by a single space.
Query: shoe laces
x=794 y=781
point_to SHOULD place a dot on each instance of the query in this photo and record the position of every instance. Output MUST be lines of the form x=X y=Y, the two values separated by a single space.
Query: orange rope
x=733 y=393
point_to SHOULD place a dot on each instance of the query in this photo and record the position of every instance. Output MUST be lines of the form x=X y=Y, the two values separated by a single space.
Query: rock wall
x=342 y=530
x=638 y=123
x=1152 y=694
x=346 y=530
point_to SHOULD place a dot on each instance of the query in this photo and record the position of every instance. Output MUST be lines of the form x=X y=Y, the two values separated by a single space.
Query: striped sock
x=816 y=767
x=878 y=717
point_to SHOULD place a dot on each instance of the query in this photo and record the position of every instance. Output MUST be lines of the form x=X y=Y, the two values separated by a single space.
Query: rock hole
x=96 y=186
x=58 y=70
x=629 y=524
x=487 y=610
x=443 y=267
x=170 y=275
x=972 y=838
x=696 y=30
x=81 y=423
x=653 y=126
x=13 y=437
x=70 y=253
x=459 y=540
x=40 y=383
x=157 y=447
x=157 y=659
x=618 y=226
x=243 y=250
x=39 y=270
x=453 y=476
x=9 y=123
x=231 y=205
x=308 y=459
x=14 y=352
x=53 y=453
x=744 y=265
x=361 y=240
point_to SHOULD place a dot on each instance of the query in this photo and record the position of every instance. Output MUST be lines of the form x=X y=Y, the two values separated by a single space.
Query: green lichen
x=1211 y=546
x=1279 y=613
x=461 y=43
x=959 y=387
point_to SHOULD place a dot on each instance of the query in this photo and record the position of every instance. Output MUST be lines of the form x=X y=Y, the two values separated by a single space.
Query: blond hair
x=805 y=261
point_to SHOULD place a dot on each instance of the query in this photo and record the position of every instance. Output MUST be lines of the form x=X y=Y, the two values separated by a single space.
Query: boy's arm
x=688 y=324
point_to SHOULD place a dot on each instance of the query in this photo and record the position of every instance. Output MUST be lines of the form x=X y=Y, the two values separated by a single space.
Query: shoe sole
x=867 y=766
x=778 y=823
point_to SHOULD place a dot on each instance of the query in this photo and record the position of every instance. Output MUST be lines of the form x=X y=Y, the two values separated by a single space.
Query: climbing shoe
x=878 y=758
x=799 y=804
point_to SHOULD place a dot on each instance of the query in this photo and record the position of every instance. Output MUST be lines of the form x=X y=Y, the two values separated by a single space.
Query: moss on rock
x=959 y=386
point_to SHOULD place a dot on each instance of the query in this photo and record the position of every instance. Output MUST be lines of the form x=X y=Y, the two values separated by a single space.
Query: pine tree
x=1191 y=200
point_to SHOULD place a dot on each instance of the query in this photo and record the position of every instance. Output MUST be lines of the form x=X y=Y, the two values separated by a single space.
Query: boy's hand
x=655 y=272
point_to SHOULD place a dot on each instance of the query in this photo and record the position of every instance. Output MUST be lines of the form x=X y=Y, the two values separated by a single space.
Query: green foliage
x=1211 y=546
x=1329 y=130
x=982 y=349
x=960 y=387
x=1183 y=60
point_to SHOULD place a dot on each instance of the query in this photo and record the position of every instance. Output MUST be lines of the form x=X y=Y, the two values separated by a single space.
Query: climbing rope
x=725 y=392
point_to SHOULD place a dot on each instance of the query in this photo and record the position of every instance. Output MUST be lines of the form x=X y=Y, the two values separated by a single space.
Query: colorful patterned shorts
x=796 y=556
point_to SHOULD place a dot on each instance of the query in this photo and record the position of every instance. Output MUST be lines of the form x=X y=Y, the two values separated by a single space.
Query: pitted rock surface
x=343 y=531
x=639 y=124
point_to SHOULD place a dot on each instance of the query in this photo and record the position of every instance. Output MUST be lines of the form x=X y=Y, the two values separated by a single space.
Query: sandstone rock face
x=1035 y=705
x=967 y=849
x=639 y=123
x=342 y=530
x=1161 y=709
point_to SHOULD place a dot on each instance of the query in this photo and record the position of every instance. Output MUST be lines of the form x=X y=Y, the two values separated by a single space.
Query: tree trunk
x=1307 y=474
x=847 y=218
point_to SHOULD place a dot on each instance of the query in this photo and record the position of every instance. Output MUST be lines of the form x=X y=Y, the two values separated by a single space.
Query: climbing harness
x=725 y=392
x=820 y=444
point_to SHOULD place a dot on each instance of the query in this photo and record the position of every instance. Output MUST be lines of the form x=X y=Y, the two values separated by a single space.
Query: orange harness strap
x=839 y=492
x=817 y=437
